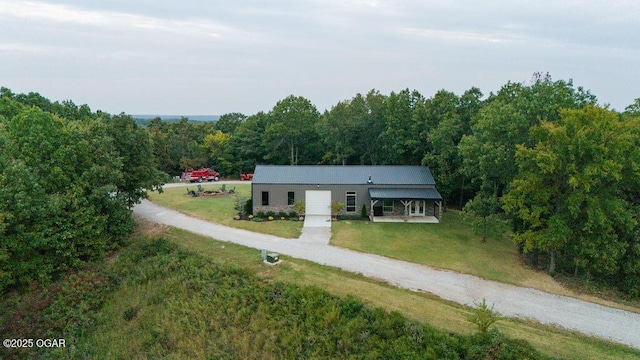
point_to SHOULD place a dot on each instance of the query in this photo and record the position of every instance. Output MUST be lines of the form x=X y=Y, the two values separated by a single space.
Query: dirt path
x=573 y=314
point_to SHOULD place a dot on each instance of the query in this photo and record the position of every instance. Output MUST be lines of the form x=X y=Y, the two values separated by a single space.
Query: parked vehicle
x=200 y=175
x=247 y=177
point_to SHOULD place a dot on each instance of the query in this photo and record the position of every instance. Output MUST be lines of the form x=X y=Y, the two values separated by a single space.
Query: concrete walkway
x=573 y=314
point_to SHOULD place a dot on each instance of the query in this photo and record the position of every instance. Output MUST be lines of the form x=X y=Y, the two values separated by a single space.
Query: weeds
x=156 y=300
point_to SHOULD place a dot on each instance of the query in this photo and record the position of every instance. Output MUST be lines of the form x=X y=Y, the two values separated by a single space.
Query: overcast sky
x=213 y=57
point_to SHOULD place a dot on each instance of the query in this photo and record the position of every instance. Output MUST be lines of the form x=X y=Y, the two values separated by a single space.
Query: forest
x=544 y=157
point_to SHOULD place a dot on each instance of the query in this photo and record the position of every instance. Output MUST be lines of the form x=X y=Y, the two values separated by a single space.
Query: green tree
x=228 y=123
x=216 y=147
x=483 y=213
x=441 y=132
x=568 y=192
x=290 y=136
x=246 y=148
x=504 y=121
x=399 y=141
x=57 y=180
x=338 y=129
x=140 y=172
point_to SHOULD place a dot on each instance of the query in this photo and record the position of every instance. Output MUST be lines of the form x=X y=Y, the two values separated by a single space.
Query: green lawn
x=449 y=245
x=220 y=209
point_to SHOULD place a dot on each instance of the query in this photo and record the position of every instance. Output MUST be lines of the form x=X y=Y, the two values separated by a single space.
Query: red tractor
x=247 y=177
x=200 y=175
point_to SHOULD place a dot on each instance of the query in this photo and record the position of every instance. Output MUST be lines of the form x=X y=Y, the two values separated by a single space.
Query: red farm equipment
x=246 y=177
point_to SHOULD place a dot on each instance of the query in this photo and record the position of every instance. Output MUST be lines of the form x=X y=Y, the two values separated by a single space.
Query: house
x=388 y=193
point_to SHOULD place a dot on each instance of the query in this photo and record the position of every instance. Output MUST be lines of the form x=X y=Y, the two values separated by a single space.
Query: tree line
x=68 y=180
x=543 y=156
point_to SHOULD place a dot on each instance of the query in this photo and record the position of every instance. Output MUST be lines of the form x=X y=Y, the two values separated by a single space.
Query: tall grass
x=165 y=302
x=156 y=300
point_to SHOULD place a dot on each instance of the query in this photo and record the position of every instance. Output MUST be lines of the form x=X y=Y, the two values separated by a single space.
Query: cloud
x=451 y=35
x=65 y=14
x=25 y=48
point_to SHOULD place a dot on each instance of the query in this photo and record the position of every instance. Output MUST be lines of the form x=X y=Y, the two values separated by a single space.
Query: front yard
x=449 y=245
x=220 y=209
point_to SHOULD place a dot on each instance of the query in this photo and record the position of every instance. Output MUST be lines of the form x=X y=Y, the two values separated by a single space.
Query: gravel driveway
x=509 y=300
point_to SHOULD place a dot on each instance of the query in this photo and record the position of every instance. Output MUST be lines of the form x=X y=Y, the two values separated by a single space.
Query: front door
x=416 y=208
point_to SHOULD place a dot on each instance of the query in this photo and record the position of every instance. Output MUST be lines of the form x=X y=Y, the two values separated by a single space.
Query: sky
x=214 y=57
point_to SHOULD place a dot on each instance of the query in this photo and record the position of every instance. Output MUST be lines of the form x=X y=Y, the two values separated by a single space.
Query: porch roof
x=422 y=194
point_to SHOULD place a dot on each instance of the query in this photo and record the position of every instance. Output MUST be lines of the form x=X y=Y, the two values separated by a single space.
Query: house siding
x=278 y=195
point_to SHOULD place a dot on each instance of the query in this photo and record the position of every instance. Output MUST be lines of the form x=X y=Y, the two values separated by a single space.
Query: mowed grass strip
x=453 y=245
x=220 y=209
x=449 y=245
x=421 y=307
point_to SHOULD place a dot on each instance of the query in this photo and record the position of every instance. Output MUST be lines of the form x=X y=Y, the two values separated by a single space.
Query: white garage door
x=318 y=202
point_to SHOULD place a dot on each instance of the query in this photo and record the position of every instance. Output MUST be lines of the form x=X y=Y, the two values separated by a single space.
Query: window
x=265 y=198
x=351 y=202
x=387 y=206
x=291 y=198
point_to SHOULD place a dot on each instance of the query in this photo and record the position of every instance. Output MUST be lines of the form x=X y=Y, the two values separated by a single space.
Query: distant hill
x=144 y=119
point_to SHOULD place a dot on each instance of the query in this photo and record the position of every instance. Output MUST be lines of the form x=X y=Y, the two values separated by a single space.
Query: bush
x=293 y=214
x=260 y=214
x=483 y=317
x=300 y=206
x=131 y=313
x=363 y=211
x=282 y=214
x=271 y=214
x=239 y=203
x=248 y=207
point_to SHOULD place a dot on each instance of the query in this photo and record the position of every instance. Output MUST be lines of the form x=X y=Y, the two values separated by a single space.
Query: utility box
x=273 y=258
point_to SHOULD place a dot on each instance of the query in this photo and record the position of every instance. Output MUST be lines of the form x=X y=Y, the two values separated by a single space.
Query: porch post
x=373 y=202
x=406 y=207
x=440 y=211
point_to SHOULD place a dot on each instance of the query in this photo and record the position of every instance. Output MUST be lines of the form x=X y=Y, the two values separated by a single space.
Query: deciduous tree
x=568 y=191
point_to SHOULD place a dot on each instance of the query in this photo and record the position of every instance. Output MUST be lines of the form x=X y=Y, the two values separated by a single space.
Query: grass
x=168 y=303
x=451 y=244
x=220 y=209
x=420 y=307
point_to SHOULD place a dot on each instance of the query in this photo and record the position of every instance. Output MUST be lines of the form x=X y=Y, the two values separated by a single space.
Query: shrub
x=282 y=214
x=483 y=317
x=363 y=211
x=300 y=206
x=336 y=207
x=271 y=214
x=239 y=203
x=293 y=214
x=248 y=207
x=260 y=214
x=131 y=313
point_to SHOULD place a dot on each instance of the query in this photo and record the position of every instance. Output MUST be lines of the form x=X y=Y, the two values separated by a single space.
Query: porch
x=413 y=205
x=404 y=219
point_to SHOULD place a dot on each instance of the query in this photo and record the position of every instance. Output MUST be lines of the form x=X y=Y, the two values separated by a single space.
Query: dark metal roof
x=337 y=175
x=422 y=194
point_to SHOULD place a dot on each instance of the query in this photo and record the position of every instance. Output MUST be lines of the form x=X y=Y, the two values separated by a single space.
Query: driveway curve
x=509 y=300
